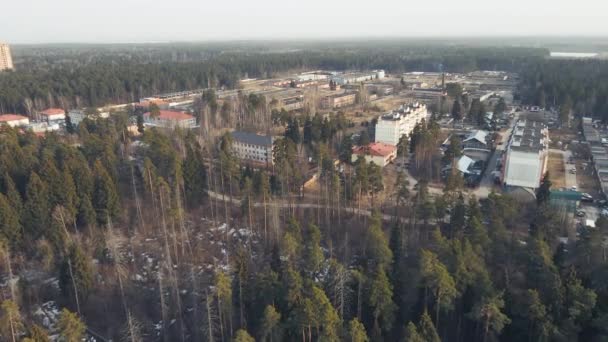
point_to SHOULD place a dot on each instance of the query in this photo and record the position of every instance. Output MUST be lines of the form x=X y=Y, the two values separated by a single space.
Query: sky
x=123 y=21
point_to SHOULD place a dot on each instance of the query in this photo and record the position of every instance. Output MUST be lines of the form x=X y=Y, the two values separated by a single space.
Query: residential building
x=476 y=140
x=378 y=153
x=14 y=120
x=525 y=161
x=6 y=59
x=392 y=126
x=338 y=100
x=357 y=77
x=78 y=115
x=170 y=119
x=52 y=115
x=253 y=147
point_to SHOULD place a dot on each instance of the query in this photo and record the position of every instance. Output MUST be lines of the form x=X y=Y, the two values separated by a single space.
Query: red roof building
x=14 y=120
x=378 y=153
x=53 y=114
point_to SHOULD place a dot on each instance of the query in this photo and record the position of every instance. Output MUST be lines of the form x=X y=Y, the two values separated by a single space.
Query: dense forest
x=167 y=237
x=99 y=77
x=576 y=84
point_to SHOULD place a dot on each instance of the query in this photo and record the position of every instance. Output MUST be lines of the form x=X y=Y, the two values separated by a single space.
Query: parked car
x=580 y=213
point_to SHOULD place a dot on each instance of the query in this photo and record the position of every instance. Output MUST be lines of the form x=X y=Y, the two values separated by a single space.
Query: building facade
x=527 y=155
x=392 y=126
x=253 y=147
x=6 y=59
x=52 y=115
x=14 y=120
x=338 y=100
x=170 y=119
x=378 y=153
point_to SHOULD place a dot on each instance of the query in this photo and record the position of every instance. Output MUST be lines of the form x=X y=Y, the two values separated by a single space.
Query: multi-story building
x=14 y=120
x=78 y=115
x=170 y=119
x=356 y=77
x=6 y=60
x=253 y=147
x=52 y=115
x=392 y=126
x=338 y=100
x=526 y=159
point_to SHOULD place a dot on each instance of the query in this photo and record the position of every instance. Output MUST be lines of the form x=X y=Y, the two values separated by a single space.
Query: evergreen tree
x=76 y=275
x=457 y=110
x=243 y=336
x=381 y=301
x=427 y=329
x=37 y=334
x=313 y=254
x=140 y=123
x=356 y=331
x=411 y=334
x=292 y=131
x=194 y=174
x=10 y=226
x=11 y=325
x=36 y=212
x=105 y=195
x=544 y=190
x=270 y=322
x=86 y=213
x=436 y=279
x=71 y=328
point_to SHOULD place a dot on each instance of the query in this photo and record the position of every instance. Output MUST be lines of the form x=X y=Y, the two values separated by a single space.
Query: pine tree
x=36 y=212
x=71 y=328
x=76 y=275
x=10 y=227
x=356 y=331
x=313 y=254
x=411 y=334
x=37 y=334
x=381 y=301
x=436 y=279
x=13 y=196
x=86 y=213
x=243 y=336
x=270 y=322
x=105 y=195
x=11 y=325
x=427 y=329
x=544 y=190
x=194 y=176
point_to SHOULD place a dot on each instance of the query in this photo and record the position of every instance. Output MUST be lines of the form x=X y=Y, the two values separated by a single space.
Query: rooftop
x=11 y=117
x=172 y=115
x=252 y=138
x=375 y=149
x=52 y=111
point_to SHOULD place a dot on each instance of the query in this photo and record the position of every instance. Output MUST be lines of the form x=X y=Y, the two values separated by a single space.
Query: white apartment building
x=253 y=147
x=170 y=119
x=392 y=126
x=6 y=59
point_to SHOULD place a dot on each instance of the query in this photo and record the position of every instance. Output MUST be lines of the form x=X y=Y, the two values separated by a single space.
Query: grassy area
x=557 y=170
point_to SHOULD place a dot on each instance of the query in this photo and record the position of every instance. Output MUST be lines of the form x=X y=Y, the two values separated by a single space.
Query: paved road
x=487 y=180
x=570 y=179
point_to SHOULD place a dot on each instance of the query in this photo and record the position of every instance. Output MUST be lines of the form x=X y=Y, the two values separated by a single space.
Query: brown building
x=338 y=100
x=6 y=60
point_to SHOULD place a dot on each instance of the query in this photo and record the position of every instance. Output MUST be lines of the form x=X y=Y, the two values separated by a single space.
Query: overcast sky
x=51 y=21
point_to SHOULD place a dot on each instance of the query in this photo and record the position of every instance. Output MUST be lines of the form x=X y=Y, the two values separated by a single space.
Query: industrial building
x=6 y=59
x=338 y=100
x=170 y=119
x=357 y=77
x=253 y=147
x=525 y=161
x=392 y=126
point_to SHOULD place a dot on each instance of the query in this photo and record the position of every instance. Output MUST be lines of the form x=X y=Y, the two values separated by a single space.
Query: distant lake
x=574 y=54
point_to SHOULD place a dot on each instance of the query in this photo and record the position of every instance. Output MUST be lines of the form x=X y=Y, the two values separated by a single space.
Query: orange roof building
x=378 y=153
x=53 y=114
x=14 y=120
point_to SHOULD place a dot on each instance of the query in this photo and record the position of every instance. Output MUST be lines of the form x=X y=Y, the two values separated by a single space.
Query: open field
x=557 y=170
